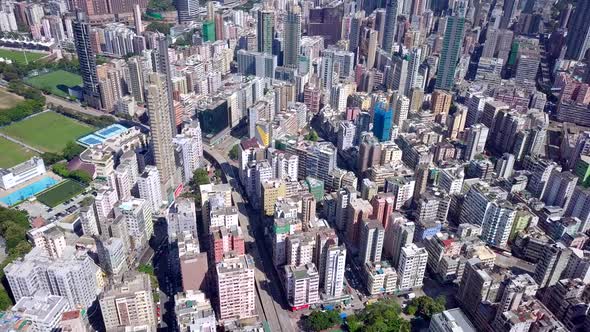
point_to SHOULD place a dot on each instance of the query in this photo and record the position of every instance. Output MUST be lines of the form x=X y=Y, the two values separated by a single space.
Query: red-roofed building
x=38 y=222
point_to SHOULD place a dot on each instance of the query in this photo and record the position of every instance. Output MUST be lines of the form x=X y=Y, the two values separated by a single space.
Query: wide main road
x=268 y=289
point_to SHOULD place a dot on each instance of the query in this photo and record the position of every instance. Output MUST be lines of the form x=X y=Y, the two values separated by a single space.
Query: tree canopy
x=159 y=27
x=233 y=153
x=160 y=5
x=14 y=225
x=321 y=320
x=200 y=177
x=312 y=136
x=426 y=306
x=382 y=315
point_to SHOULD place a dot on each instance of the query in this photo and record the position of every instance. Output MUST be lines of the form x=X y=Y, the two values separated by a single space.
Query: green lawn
x=12 y=153
x=19 y=57
x=60 y=193
x=57 y=82
x=48 y=131
x=8 y=100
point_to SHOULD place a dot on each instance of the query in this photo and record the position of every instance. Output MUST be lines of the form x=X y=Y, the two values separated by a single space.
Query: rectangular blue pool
x=28 y=191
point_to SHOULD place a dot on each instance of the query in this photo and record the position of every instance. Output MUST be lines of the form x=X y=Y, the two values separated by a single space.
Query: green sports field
x=19 y=57
x=57 y=82
x=48 y=131
x=12 y=153
x=60 y=193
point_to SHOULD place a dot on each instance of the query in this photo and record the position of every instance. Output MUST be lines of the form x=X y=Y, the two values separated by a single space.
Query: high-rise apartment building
x=411 y=268
x=390 y=26
x=128 y=302
x=138 y=216
x=112 y=255
x=302 y=285
x=87 y=59
x=445 y=76
x=560 y=189
x=188 y=11
x=189 y=145
x=150 y=188
x=235 y=288
x=346 y=135
x=334 y=271
x=371 y=243
x=292 y=36
x=265 y=27
x=553 y=261
x=73 y=276
x=161 y=129
x=476 y=137
x=578 y=41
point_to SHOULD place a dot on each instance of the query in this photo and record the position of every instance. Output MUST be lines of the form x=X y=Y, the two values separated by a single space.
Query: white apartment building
x=380 y=278
x=43 y=310
x=334 y=271
x=412 y=265
x=88 y=221
x=50 y=239
x=124 y=179
x=112 y=255
x=346 y=135
x=189 y=146
x=182 y=216
x=451 y=180
x=223 y=217
x=138 y=217
x=235 y=288
x=149 y=187
x=104 y=202
x=302 y=285
x=73 y=276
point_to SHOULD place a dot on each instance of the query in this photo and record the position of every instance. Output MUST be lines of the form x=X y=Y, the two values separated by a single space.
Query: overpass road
x=268 y=287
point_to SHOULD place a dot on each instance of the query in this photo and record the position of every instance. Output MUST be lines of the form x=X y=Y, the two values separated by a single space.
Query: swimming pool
x=28 y=191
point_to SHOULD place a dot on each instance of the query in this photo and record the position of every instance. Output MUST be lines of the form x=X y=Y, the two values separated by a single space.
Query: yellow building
x=441 y=102
x=271 y=191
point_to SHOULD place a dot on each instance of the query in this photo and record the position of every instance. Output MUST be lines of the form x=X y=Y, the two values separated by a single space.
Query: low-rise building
x=12 y=177
x=194 y=312
x=380 y=278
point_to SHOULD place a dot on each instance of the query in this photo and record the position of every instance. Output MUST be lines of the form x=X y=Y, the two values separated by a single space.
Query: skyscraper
x=445 y=78
x=383 y=119
x=578 y=40
x=292 y=35
x=163 y=67
x=136 y=78
x=476 y=140
x=137 y=19
x=265 y=30
x=161 y=128
x=390 y=26
x=334 y=271
x=87 y=60
x=188 y=10
x=355 y=31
